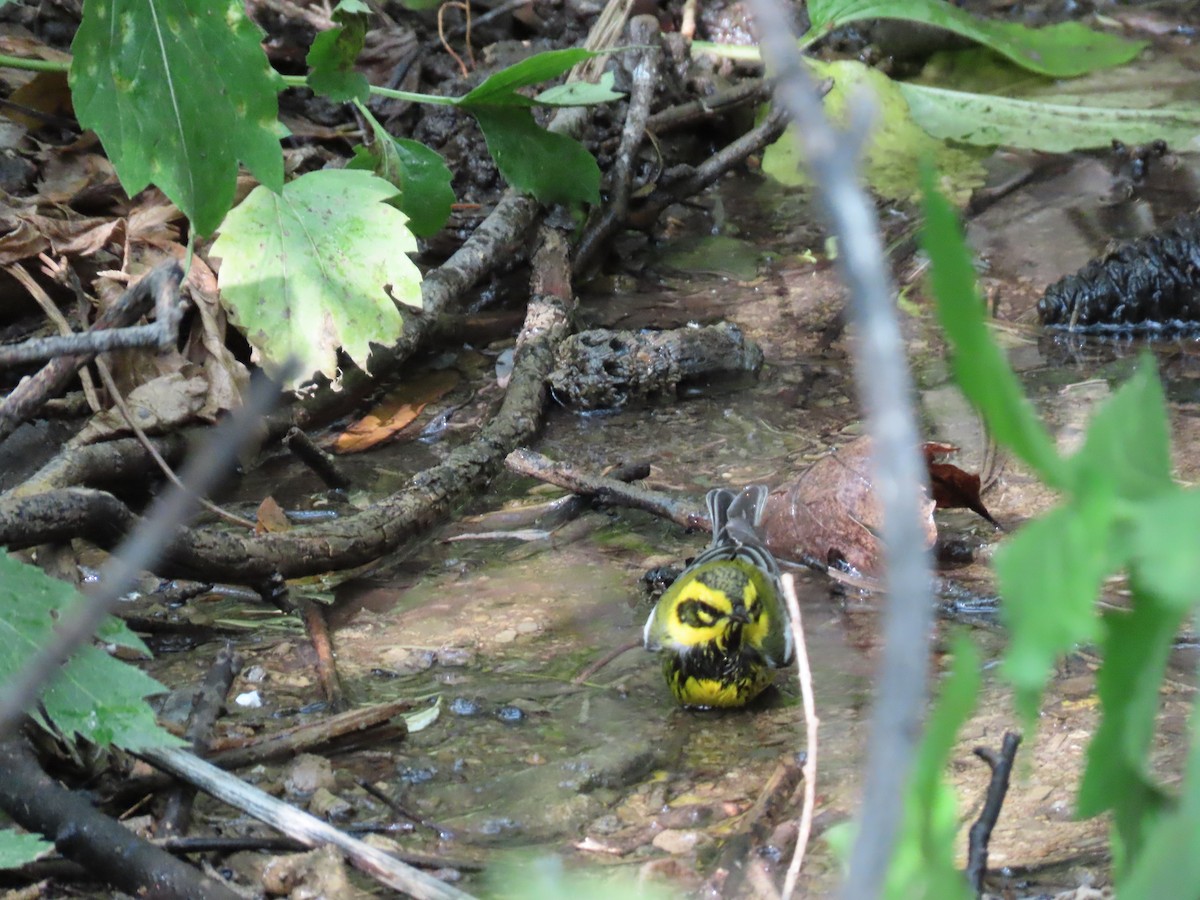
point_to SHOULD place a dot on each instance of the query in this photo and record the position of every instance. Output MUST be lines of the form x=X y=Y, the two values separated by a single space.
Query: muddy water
x=607 y=771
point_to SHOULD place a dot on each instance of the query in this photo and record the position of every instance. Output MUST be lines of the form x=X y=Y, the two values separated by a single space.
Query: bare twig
x=811 y=725
x=207 y=702
x=885 y=390
x=441 y=14
x=606 y=490
x=307 y=829
x=137 y=552
x=981 y=832
x=321 y=462
x=31 y=393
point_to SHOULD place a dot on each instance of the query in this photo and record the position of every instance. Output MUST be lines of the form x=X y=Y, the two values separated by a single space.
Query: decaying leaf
x=399 y=408
x=271 y=517
x=157 y=406
x=831 y=511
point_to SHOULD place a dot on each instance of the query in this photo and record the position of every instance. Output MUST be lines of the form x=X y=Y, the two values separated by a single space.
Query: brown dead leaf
x=65 y=176
x=74 y=236
x=831 y=511
x=398 y=409
x=19 y=240
x=271 y=518
x=157 y=406
x=952 y=487
x=46 y=92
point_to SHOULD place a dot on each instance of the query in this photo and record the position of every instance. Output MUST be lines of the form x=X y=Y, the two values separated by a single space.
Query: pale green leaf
x=897 y=146
x=1063 y=50
x=308 y=270
x=179 y=91
x=18 y=849
x=987 y=119
x=580 y=93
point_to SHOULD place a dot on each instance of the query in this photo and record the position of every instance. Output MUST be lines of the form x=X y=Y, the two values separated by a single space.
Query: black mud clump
x=1147 y=285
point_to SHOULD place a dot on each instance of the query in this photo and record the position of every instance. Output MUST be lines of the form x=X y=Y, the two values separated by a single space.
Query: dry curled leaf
x=270 y=517
x=831 y=511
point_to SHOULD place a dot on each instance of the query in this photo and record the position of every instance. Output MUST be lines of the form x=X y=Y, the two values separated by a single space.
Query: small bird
x=721 y=626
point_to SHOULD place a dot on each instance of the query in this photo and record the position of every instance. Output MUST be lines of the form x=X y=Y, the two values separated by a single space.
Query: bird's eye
x=697 y=614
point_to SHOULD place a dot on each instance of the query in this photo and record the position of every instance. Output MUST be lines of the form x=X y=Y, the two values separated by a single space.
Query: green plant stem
x=410 y=96
x=33 y=65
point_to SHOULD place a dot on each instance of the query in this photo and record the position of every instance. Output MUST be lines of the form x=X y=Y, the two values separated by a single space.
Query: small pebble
x=510 y=714
x=464 y=706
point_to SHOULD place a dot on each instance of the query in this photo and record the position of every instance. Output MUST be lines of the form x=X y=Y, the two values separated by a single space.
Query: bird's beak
x=740 y=615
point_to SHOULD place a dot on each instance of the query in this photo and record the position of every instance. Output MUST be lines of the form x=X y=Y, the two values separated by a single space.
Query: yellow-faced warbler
x=721 y=626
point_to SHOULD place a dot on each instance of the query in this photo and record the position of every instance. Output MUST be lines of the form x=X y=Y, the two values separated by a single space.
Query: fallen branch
x=108 y=850
x=812 y=725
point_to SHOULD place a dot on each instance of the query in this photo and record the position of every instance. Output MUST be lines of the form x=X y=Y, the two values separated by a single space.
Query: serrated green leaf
x=306 y=271
x=553 y=168
x=95 y=696
x=1128 y=440
x=334 y=52
x=897 y=146
x=1162 y=545
x=1137 y=645
x=580 y=93
x=923 y=865
x=18 y=849
x=980 y=367
x=501 y=88
x=989 y=120
x=1049 y=574
x=1063 y=50
x=420 y=174
x=151 y=79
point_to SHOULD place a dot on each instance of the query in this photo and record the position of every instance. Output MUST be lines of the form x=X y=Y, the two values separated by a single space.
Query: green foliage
x=1042 y=124
x=18 y=849
x=178 y=91
x=419 y=173
x=308 y=270
x=95 y=697
x=923 y=864
x=917 y=120
x=501 y=88
x=979 y=366
x=1169 y=866
x=897 y=146
x=1060 y=51
x=552 y=167
x=1121 y=510
x=333 y=53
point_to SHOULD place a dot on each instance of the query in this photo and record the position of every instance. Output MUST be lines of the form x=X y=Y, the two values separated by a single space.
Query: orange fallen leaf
x=399 y=408
x=271 y=517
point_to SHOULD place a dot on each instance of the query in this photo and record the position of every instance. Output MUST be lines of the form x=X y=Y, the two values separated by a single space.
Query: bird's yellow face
x=719 y=605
